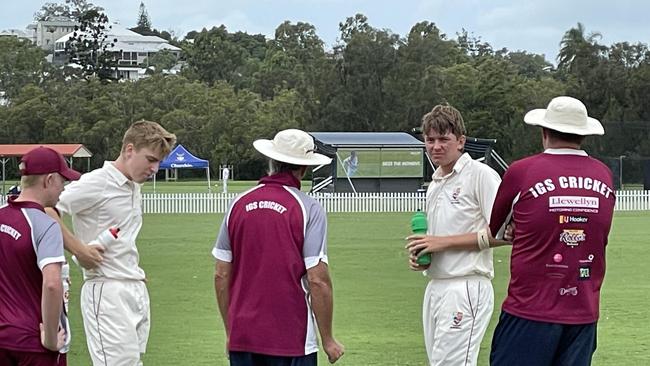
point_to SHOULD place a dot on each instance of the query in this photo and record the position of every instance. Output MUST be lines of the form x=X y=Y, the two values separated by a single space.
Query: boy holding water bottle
x=459 y=299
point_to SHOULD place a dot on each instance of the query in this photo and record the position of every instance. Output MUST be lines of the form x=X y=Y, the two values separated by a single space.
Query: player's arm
x=322 y=303
x=471 y=241
x=222 y=253
x=88 y=256
x=320 y=285
x=221 y=288
x=502 y=225
x=487 y=186
x=51 y=307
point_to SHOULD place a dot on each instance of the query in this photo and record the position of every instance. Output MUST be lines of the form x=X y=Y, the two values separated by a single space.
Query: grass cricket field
x=377 y=298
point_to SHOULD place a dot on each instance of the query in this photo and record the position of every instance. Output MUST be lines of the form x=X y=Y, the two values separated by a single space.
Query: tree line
x=237 y=87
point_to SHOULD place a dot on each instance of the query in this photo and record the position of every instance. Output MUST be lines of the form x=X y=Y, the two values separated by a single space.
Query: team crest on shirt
x=454 y=195
x=455 y=321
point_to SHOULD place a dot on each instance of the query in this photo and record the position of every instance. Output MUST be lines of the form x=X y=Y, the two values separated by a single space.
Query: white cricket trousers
x=116 y=321
x=455 y=314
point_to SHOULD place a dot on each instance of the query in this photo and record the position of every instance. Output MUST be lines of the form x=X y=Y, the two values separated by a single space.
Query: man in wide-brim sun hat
x=271 y=279
x=561 y=203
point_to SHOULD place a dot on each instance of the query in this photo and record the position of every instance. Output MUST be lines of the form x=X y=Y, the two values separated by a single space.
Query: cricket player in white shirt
x=459 y=298
x=114 y=297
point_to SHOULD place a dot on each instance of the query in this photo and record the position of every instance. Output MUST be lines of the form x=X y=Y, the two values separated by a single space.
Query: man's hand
x=414 y=265
x=60 y=339
x=422 y=244
x=333 y=349
x=509 y=233
x=90 y=256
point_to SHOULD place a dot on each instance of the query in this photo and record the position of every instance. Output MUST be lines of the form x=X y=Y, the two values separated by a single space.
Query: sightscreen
x=379 y=163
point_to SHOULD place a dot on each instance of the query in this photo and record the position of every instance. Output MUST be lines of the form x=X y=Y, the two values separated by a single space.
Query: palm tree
x=577 y=49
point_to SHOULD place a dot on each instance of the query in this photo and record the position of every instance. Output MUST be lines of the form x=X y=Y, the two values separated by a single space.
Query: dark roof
x=367 y=139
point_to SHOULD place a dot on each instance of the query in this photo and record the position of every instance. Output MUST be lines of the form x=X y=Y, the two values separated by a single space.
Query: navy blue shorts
x=519 y=341
x=257 y=359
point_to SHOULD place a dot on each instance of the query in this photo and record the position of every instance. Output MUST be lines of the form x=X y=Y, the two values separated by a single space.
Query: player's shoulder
x=40 y=221
x=598 y=164
x=309 y=202
x=527 y=160
x=525 y=163
x=483 y=170
x=93 y=177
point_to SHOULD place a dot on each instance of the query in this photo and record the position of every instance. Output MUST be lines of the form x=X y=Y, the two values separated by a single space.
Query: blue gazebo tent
x=180 y=158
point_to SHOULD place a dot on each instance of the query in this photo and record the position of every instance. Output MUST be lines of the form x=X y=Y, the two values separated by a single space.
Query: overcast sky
x=533 y=26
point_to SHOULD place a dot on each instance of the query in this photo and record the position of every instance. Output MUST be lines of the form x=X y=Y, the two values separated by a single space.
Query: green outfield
x=377 y=299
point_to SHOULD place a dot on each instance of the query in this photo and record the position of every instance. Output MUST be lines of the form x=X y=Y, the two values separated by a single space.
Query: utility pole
x=620 y=171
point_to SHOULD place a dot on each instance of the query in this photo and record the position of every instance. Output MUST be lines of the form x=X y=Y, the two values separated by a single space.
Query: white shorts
x=455 y=314
x=116 y=320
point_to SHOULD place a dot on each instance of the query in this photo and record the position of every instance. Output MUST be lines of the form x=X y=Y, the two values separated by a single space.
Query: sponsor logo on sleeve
x=573 y=204
x=573 y=237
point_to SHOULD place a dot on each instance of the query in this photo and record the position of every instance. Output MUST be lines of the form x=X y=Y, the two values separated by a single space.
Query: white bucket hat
x=291 y=146
x=565 y=114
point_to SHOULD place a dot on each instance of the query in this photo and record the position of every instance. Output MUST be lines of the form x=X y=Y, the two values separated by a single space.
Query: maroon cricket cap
x=43 y=160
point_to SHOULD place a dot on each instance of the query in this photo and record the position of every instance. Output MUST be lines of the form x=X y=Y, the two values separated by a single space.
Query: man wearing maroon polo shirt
x=272 y=282
x=561 y=203
x=33 y=324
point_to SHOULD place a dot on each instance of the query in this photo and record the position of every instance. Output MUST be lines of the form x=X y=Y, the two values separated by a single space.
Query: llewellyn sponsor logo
x=565 y=219
x=573 y=202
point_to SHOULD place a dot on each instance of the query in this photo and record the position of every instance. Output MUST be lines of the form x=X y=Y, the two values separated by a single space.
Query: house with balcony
x=131 y=50
x=46 y=32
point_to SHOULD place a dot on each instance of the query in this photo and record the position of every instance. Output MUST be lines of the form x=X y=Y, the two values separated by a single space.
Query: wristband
x=483 y=239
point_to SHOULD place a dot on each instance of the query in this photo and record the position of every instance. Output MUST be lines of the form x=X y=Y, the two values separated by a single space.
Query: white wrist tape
x=483 y=239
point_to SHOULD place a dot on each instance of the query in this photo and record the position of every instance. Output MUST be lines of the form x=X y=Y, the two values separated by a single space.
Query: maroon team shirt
x=272 y=234
x=561 y=202
x=29 y=240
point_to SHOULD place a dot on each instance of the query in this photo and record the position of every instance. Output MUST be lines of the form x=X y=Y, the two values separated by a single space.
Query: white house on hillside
x=131 y=50
x=27 y=34
x=46 y=32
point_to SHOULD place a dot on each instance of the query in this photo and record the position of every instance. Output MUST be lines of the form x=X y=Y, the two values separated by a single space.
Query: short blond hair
x=151 y=135
x=443 y=119
x=28 y=181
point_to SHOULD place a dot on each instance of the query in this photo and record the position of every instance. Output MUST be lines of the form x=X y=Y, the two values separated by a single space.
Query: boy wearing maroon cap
x=33 y=324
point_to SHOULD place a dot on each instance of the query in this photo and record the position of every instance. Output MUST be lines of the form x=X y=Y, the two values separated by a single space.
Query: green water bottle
x=419 y=226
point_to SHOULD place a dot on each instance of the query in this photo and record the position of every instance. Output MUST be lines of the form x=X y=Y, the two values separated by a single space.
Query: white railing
x=632 y=201
x=338 y=202
x=186 y=202
x=335 y=202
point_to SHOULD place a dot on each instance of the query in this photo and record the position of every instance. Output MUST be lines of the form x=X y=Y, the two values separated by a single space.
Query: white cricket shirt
x=459 y=203
x=102 y=199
